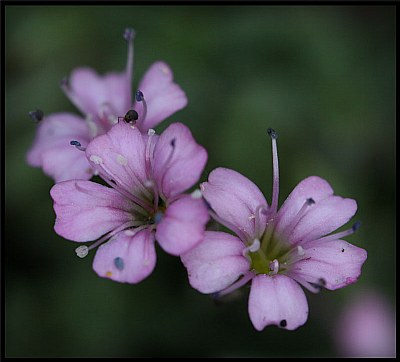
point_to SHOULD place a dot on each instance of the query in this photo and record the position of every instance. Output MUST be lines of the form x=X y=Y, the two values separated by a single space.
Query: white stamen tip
x=122 y=160
x=274 y=266
x=149 y=183
x=300 y=250
x=196 y=194
x=252 y=248
x=96 y=159
x=202 y=188
x=82 y=251
x=130 y=232
x=151 y=132
x=252 y=216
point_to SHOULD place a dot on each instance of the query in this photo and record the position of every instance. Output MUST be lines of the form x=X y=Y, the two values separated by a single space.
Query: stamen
x=78 y=145
x=196 y=194
x=289 y=228
x=149 y=164
x=236 y=285
x=167 y=164
x=36 y=116
x=239 y=232
x=275 y=187
x=274 y=267
x=129 y=35
x=341 y=234
x=257 y=222
x=130 y=117
x=119 y=263
x=252 y=248
x=140 y=98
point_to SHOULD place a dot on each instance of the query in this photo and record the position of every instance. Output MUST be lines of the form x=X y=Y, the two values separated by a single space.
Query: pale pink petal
x=120 y=156
x=178 y=160
x=90 y=91
x=277 y=300
x=128 y=257
x=322 y=218
x=162 y=95
x=312 y=187
x=331 y=264
x=86 y=210
x=216 y=262
x=182 y=226
x=52 y=150
x=235 y=199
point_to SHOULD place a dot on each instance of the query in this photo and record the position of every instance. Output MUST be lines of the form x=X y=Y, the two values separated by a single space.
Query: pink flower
x=275 y=250
x=101 y=99
x=366 y=327
x=148 y=175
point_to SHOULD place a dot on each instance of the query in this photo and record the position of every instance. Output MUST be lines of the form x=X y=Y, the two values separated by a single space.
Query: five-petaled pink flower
x=276 y=250
x=101 y=99
x=148 y=175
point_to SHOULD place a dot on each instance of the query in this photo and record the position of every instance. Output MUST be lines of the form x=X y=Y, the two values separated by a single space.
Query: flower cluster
x=144 y=197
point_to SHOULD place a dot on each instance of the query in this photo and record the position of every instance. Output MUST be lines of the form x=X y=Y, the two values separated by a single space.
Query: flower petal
x=216 y=262
x=178 y=160
x=120 y=155
x=182 y=227
x=323 y=217
x=86 y=210
x=332 y=264
x=126 y=258
x=52 y=150
x=162 y=95
x=89 y=91
x=312 y=187
x=277 y=300
x=235 y=199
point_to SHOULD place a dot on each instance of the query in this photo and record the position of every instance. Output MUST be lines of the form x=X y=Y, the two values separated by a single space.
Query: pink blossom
x=101 y=99
x=276 y=250
x=148 y=175
x=366 y=327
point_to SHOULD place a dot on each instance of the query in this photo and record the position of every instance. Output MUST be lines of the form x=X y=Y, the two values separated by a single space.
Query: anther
x=283 y=323
x=82 y=251
x=131 y=116
x=139 y=96
x=158 y=217
x=36 y=116
x=310 y=201
x=129 y=34
x=252 y=248
x=356 y=226
x=77 y=145
x=196 y=194
x=173 y=141
x=274 y=267
x=272 y=133
x=300 y=250
x=151 y=132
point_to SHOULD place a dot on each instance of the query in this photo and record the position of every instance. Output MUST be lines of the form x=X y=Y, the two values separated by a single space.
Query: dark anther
x=173 y=141
x=129 y=34
x=342 y=250
x=119 y=263
x=36 y=116
x=75 y=143
x=272 y=133
x=283 y=323
x=310 y=201
x=139 y=96
x=356 y=226
x=322 y=281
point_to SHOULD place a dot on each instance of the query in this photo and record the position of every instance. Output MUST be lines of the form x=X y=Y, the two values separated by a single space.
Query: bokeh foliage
x=322 y=76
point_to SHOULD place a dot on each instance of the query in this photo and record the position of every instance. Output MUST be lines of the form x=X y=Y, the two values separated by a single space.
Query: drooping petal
x=330 y=264
x=178 y=160
x=312 y=187
x=128 y=257
x=182 y=226
x=52 y=150
x=235 y=199
x=277 y=300
x=90 y=91
x=323 y=217
x=86 y=210
x=162 y=95
x=216 y=262
x=120 y=156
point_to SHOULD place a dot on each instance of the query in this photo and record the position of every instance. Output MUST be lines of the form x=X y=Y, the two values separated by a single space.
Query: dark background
x=322 y=76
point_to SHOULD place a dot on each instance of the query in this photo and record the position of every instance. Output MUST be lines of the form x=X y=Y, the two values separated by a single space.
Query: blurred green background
x=322 y=76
